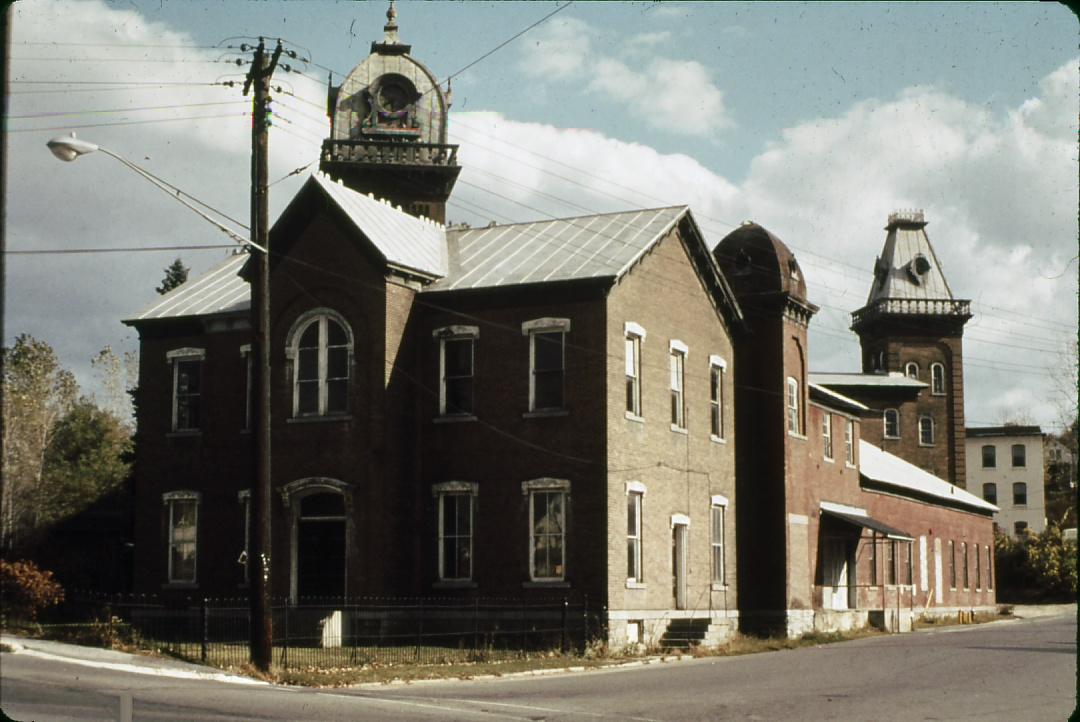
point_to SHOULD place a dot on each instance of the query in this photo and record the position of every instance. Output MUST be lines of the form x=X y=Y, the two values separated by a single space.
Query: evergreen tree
x=175 y=275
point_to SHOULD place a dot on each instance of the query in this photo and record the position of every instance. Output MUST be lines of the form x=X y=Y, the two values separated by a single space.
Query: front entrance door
x=320 y=546
x=836 y=573
x=679 y=553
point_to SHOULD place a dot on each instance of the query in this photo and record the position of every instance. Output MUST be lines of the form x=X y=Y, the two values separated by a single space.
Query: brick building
x=508 y=411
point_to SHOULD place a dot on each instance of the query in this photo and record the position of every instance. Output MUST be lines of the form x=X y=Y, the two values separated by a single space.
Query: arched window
x=320 y=348
x=792 y=405
x=937 y=379
x=911 y=370
x=892 y=424
x=926 y=431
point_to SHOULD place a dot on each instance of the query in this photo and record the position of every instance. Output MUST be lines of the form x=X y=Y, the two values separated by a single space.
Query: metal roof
x=833 y=396
x=892 y=379
x=403 y=240
x=885 y=468
x=219 y=290
x=908 y=267
x=859 y=517
x=598 y=246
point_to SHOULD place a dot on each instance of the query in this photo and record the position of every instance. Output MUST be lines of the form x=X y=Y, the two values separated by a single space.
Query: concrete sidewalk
x=1035 y=611
x=119 y=661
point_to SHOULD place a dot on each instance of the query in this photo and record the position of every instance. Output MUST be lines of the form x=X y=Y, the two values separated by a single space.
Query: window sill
x=937 y=393
x=631 y=416
x=717 y=439
x=454 y=584
x=183 y=434
x=551 y=584
x=180 y=585
x=679 y=429
x=796 y=435
x=545 y=413
x=926 y=446
x=461 y=419
x=634 y=584
x=849 y=465
x=716 y=587
x=891 y=438
x=828 y=460
x=318 y=419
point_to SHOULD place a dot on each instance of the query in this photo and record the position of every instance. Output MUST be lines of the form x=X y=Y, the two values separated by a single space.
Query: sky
x=813 y=120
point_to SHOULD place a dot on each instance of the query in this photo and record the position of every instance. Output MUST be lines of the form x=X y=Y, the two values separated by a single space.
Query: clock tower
x=388 y=130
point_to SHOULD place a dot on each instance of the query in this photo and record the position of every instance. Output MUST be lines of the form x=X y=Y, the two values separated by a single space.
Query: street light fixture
x=71 y=148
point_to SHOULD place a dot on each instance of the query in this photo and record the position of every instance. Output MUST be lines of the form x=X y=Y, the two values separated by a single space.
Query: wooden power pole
x=258 y=80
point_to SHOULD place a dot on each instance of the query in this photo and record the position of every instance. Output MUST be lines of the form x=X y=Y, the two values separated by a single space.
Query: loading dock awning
x=867 y=522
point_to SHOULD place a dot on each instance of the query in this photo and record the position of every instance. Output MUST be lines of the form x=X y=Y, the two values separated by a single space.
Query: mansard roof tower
x=912 y=325
x=388 y=126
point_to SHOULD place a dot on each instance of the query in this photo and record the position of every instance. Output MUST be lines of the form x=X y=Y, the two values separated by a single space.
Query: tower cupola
x=388 y=129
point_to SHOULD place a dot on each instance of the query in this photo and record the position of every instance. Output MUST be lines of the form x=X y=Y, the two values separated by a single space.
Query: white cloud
x=999 y=191
x=671 y=95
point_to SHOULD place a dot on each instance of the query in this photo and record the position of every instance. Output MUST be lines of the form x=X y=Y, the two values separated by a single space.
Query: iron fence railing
x=333 y=632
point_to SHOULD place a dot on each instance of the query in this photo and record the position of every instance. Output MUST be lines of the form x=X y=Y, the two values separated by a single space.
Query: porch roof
x=860 y=518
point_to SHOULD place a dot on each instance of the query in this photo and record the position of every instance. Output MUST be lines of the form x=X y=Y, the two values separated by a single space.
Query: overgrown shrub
x=1036 y=566
x=26 y=590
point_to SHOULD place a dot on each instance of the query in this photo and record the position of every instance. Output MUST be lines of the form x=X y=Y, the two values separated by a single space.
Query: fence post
x=420 y=630
x=476 y=624
x=565 y=611
x=205 y=613
x=287 y=612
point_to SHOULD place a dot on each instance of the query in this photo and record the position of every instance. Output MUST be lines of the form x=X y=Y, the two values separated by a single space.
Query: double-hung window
x=249 y=378
x=890 y=562
x=182 y=521
x=849 y=442
x=717 y=367
x=244 y=560
x=187 y=364
x=990 y=492
x=926 y=431
x=634 y=336
x=892 y=424
x=1019 y=455
x=937 y=379
x=989 y=456
x=964 y=560
x=457 y=364
x=952 y=564
x=718 y=512
x=792 y=405
x=677 y=373
x=1020 y=495
x=547 y=528
x=547 y=363
x=456 y=501
x=635 y=501
x=826 y=435
x=321 y=347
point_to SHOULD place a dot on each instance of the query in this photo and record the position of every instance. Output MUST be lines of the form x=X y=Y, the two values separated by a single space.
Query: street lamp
x=71 y=148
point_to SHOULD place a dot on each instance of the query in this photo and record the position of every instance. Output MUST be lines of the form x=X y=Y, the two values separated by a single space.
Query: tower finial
x=391 y=27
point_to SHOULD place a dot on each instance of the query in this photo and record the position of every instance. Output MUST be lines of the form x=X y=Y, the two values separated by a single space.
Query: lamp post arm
x=178 y=196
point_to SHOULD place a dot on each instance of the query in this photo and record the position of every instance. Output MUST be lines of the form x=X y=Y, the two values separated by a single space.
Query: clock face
x=392 y=97
x=392 y=106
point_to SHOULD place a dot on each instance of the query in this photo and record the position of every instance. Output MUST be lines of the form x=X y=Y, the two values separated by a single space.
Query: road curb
x=137 y=669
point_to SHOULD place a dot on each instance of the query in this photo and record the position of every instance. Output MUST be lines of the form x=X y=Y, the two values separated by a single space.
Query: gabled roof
x=908 y=267
x=402 y=240
x=892 y=380
x=219 y=290
x=605 y=245
x=907 y=479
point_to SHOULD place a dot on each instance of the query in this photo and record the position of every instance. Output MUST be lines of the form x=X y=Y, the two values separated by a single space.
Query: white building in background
x=1005 y=467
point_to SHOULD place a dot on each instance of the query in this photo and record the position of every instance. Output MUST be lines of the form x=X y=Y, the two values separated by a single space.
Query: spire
x=391 y=27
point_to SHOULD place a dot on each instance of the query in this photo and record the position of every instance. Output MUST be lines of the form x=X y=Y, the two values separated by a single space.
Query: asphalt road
x=1020 y=670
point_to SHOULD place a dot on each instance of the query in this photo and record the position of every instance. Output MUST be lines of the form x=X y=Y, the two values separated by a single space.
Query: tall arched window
x=892 y=424
x=911 y=370
x=926 y=431
x=937 y=379
x=320 y=348
x=793 y=406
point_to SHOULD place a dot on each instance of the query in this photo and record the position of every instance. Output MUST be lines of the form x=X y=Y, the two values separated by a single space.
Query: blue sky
x=815 y=120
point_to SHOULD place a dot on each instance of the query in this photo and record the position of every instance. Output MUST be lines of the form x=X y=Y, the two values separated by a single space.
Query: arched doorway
x=320 y=546
x=320 y=520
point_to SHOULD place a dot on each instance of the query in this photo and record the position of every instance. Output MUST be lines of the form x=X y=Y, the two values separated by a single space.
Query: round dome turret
x=756 y=263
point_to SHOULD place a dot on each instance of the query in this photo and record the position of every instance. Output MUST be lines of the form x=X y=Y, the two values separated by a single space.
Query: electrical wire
x=129 y=249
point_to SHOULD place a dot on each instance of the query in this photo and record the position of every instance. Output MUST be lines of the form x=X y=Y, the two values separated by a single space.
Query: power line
x=130 y=249
x=131 y=122
x=141 y=109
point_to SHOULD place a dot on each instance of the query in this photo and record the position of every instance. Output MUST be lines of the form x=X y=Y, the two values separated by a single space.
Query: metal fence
x=333 y=632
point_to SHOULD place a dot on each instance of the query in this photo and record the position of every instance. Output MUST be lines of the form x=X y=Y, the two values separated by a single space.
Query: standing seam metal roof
x=219 y=290
x=598 y=246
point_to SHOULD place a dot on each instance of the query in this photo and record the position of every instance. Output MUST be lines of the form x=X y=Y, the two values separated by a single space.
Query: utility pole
x=258 y=79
